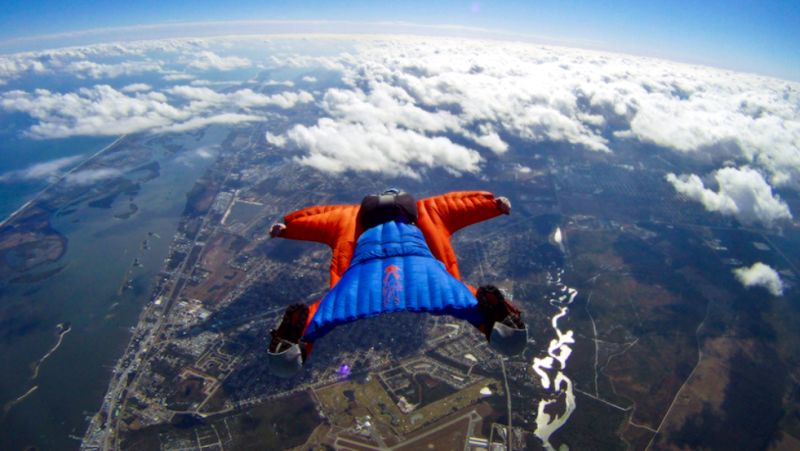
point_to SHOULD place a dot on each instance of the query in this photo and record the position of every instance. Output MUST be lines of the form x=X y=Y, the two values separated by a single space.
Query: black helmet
x=390 y=205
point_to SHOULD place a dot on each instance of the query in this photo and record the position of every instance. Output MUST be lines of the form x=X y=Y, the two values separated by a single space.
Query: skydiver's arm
x=320 y=224
x=459 y=209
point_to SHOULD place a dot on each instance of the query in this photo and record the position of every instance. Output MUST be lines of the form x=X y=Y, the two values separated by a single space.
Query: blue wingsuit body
x=392 y=270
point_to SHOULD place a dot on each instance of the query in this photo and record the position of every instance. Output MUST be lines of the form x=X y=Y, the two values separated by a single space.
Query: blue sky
x=752 y=36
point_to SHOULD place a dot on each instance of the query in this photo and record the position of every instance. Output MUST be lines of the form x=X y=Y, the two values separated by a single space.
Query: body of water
x=86 y=293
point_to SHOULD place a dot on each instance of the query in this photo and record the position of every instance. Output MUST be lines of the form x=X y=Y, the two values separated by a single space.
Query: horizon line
x=401 y=28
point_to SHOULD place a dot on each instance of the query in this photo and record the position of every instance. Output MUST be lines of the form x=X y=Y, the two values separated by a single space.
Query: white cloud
x=178 y=76
x=136 y=87
x=89 y=176
x=198 y=93
x=288 y=99
x=204 y=153
x=15 y=66
x=104 y=111
x=217 y=119
x=244 y=98
x=78 y=60
x=742 y=193
x=309 y=79
x=48 y=170
x=276 y=140
x=200 y=153
x=584 y=98
x=497 y=87
x=97 y=111
x=387 y=105
x=213 y=83
x=756 y=118
x=54 y=169
x=287 y=83
x=208 y=60
x=693 y=188
x=488 y=137
x=90 y=69
x=760 y=275
x=370 y=119
x=339 y=146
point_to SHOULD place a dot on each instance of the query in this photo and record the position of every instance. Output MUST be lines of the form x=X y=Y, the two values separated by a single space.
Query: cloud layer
x=208 y=60
x=102 y=110
x=760 y=275
x=336 y=147
x=105 y=61
x=487 y=92
x=415 y=103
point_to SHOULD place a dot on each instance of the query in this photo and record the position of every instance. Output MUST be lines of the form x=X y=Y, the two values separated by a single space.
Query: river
x=551 y=365
x=61 y=390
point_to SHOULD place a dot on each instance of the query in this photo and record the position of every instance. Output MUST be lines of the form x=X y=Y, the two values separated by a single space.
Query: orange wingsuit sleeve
x=441 y=216
x=319 y=223
x=334 y=225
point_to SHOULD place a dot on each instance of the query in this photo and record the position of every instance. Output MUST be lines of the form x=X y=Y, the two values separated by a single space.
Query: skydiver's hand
x=503 y=204
x=276 y=230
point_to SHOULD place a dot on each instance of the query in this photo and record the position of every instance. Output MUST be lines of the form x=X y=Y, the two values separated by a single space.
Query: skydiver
x=393 y=253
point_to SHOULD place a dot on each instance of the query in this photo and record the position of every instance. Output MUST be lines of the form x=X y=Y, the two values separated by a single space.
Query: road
x=114 y=402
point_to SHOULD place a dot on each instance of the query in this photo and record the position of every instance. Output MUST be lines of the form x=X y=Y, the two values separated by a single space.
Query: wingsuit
x=393 y=253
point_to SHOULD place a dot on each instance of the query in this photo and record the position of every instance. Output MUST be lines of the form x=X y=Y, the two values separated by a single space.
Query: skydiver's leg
x=494 y=307
x=291 y=328
x=502 y=325
x=287 y=351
